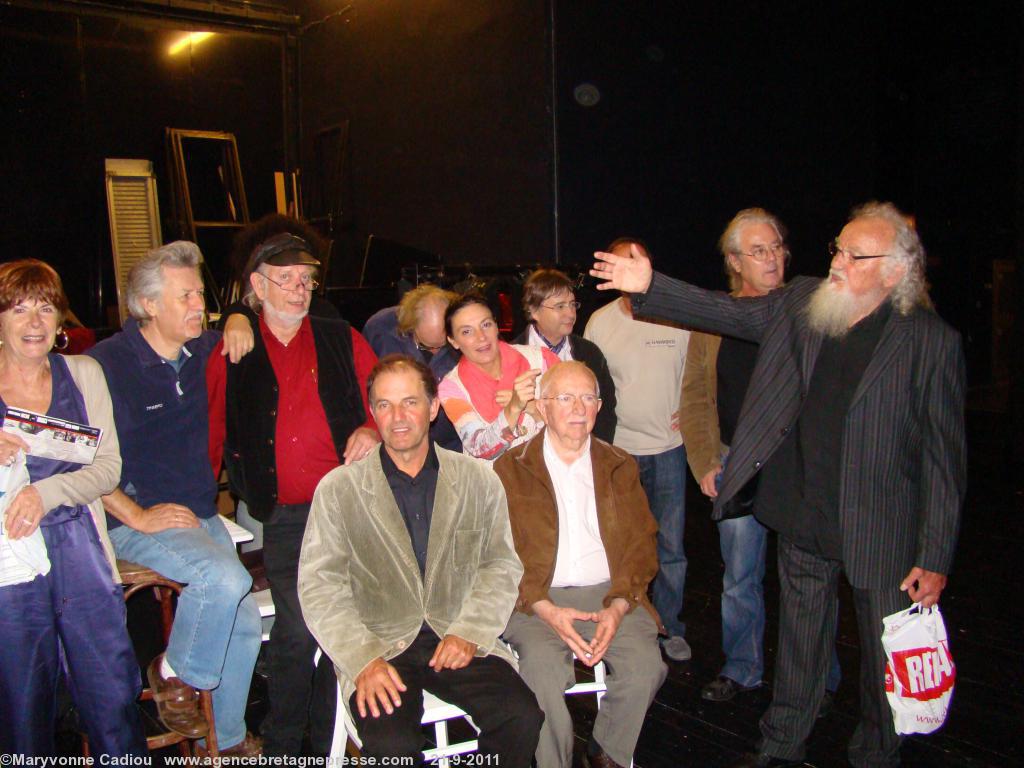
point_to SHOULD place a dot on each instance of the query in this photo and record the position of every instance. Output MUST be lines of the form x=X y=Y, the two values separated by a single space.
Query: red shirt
x=304 y=449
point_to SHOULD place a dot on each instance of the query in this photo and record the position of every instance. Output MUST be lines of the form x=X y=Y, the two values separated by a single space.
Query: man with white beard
x=854 y=420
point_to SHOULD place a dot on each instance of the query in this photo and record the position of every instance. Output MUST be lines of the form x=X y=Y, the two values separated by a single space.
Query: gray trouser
x=635 y=673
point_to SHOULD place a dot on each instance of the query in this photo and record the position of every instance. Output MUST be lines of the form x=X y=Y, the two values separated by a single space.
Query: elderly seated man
x=586 y=537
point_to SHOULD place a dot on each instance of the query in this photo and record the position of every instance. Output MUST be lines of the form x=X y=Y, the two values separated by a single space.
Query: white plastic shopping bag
x=919 y=669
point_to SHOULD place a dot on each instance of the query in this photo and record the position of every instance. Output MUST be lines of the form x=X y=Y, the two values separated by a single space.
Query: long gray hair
x=146 y=278
x=907 y=250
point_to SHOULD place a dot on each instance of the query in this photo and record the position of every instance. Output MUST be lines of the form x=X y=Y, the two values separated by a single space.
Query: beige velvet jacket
x=360 y=587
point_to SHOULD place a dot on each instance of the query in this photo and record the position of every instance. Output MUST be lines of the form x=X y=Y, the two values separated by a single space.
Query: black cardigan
x=251 y=411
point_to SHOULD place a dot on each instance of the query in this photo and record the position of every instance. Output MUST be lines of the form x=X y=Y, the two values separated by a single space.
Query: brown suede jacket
x=628 y=529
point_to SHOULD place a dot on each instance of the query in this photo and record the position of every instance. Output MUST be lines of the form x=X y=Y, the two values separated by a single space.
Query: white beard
x=284 y=319
x=833 y=311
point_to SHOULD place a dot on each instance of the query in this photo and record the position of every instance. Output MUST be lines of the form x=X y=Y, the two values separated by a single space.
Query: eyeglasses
x=568 y=399
x=306 y=282
x=562 y=306
x=428 y=348
x=761 y=253
x=834 y=250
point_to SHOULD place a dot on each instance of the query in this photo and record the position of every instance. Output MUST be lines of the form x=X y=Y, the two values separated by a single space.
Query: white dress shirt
x=580 y=560
x=536 y=340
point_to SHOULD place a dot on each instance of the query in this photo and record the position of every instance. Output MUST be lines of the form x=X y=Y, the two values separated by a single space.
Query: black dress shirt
x=804 y=474
x=415 y=499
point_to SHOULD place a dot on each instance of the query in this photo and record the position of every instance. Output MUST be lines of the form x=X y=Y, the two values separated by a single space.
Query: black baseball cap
x=283 y=250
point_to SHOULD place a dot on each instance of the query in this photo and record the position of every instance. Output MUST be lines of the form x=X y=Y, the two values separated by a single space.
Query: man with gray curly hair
x=854 y=423
x=164 y=513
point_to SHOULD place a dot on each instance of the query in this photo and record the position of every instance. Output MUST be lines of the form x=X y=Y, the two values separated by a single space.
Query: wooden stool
x=136 y=578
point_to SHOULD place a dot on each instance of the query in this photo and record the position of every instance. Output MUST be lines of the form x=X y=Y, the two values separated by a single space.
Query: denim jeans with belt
x=663 y=476
x=217 y=630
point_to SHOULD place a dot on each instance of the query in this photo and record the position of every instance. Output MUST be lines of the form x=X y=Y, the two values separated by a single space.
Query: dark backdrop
x=805 y=109
x=450 y=127
x=466 y=139
x=80 y=87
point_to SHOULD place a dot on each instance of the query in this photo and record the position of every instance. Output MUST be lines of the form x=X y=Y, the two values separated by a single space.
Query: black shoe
x=723 y=688
x=828 y=701
x=596 y=757
x=763 y=760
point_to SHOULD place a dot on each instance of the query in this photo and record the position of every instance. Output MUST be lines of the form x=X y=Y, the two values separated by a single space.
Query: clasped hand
x=561 y=620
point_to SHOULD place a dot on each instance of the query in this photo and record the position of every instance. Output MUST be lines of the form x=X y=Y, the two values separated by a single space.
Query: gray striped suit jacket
x=904 y=450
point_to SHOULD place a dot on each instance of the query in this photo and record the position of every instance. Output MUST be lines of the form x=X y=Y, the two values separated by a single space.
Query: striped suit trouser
x=807 y=630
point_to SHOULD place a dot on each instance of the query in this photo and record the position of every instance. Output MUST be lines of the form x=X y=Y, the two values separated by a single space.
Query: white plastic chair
x=438 y=712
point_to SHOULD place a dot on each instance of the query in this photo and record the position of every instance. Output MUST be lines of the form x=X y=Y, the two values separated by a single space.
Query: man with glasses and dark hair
x=586 y=537
x=854 y=421
x=550 y=305
x=282 y=417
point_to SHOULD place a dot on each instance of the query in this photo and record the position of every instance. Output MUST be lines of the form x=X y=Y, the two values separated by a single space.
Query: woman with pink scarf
x=490 y=394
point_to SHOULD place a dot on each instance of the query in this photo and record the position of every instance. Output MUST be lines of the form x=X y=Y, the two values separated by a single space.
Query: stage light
x=189 y=40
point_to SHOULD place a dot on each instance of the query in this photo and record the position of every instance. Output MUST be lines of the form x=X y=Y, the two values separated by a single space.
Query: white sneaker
x=676 y=648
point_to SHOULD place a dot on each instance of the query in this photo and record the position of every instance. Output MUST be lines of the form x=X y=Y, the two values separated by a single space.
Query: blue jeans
x=663 y=476
x=216 y=634
x=744 y=543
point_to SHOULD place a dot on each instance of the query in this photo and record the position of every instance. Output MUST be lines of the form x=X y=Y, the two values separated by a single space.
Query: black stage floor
x=987 y=713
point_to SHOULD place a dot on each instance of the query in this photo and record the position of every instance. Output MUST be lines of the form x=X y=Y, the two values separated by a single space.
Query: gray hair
x=146 y=278
x=729 y=242
x=249 y=297
x=907 y=250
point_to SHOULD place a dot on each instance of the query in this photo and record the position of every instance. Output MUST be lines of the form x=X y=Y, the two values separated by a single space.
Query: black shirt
x=735 y=366
x=415 y=499
x=802 y=479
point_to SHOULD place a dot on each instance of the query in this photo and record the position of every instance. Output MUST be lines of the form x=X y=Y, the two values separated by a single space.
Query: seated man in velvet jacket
x=407 y=578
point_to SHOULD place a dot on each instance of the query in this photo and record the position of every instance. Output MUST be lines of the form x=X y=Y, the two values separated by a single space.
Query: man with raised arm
x=854 y=421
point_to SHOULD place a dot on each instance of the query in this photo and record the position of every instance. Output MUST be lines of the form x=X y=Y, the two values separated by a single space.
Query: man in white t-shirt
x=646 y=361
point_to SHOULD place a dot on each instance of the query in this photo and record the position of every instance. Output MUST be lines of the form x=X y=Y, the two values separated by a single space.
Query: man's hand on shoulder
x=161 y=517
x=561 y=620
x=923 y=586
x=377 y=688
x=452 y=653
x=608 y=620
x=238 y=337
x=359 y=444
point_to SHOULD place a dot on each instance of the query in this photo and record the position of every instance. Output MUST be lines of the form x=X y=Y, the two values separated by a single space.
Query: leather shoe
x=723 y=688
x=177 y=703
x=596 y=757
x=248 y=748
x=764 y=760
